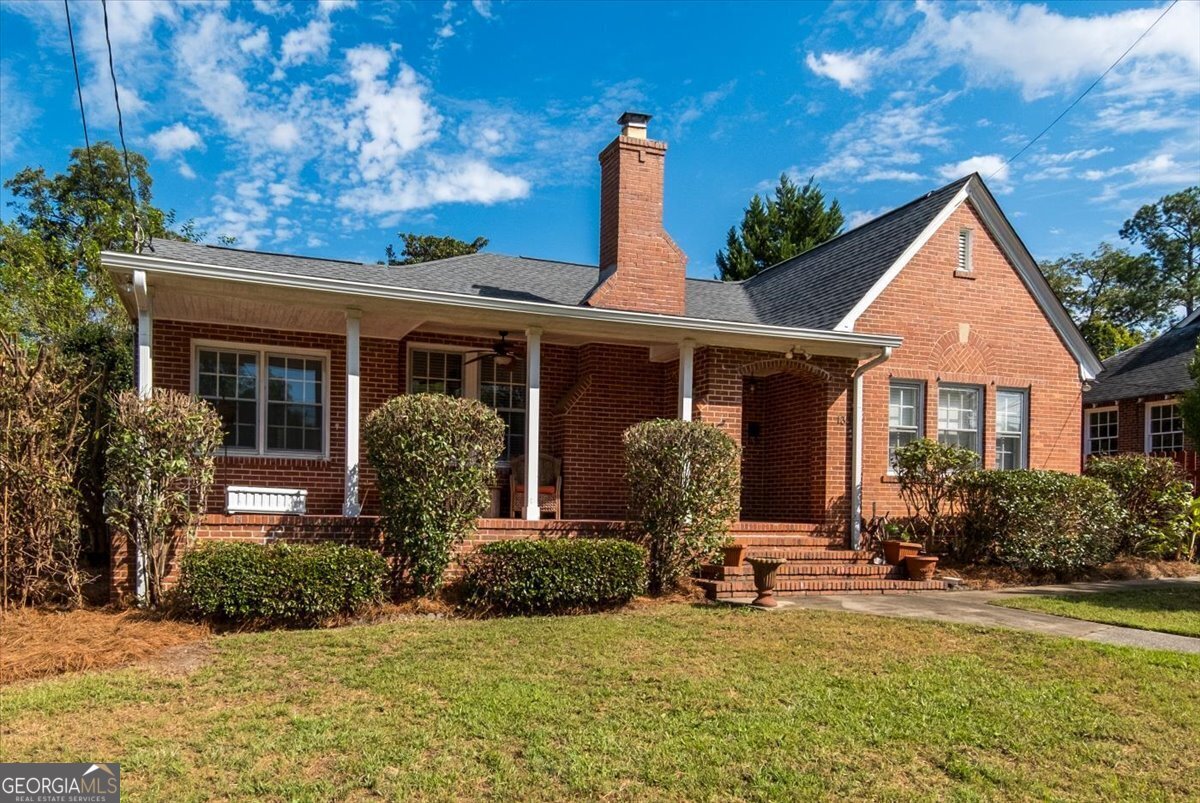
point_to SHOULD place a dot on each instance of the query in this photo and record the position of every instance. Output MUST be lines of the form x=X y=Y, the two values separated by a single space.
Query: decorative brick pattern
x=987 y=331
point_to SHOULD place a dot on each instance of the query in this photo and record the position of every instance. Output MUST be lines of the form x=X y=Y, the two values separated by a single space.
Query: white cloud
x=186 y=171
x=849 y=70
x=173 y=139
x=391 y=119
x=310 y=43
x=465 y=181
x=284 y=136
x=1079 y=155
x=860 y=216
x=483 y=8
x=19 y=113
x=257 y=43
x=273 y=8
x=992 y=167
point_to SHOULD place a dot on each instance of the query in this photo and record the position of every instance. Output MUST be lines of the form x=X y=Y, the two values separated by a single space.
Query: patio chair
x=549 y=486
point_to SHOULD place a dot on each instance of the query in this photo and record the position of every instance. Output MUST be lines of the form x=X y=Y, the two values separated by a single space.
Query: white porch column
x=687 y=352
x=533 y=415
x=856 y=437
x=351 y=506
x=145 y=388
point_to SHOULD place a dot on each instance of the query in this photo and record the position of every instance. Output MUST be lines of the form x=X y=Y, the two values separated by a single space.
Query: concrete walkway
x=973 y=608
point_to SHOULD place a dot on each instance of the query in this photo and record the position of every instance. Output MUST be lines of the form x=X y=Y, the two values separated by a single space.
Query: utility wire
x=87 y=143
x=1094 y=84
x=138 y=236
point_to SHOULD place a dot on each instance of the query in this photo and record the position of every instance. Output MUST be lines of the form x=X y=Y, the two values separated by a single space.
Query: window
x=269 y=402
x=1012 y=423
x=906 y=415
x=1102 y=431
x=958 y=417
x=502 y=387
x=1164 y=427
x=964 y=250
x=436 y=372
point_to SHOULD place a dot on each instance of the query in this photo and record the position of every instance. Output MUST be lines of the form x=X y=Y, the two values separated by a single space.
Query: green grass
x=667 y=703
x=1173 y=609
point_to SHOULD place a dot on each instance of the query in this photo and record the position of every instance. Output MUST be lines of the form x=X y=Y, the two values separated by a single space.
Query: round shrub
x=280 y=584
x=1154 y=495
x=1039 y=520
x=555 y=575
x=684 y=490
x=435 y=458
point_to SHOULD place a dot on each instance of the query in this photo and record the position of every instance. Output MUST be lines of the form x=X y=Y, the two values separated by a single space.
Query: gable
x=1008 y=272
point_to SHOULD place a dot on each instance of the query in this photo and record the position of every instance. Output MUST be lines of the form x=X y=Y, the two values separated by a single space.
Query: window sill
x=310 y=456
x=890 y=479
x=964 y=274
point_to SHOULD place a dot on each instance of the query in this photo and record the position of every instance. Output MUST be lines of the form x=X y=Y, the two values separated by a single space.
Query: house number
x=839 y=419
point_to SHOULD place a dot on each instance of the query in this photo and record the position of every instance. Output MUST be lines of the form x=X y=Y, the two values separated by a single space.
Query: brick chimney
x=641 y=268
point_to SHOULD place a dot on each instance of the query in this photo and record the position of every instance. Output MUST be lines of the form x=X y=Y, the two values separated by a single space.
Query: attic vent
x=964 y=250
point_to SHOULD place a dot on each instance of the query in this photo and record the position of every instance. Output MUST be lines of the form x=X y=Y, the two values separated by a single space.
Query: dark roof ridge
x=861 y=226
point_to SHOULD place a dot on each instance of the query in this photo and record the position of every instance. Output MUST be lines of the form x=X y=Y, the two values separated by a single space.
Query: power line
x=87 y=143
x=137 y=226
x=1094 y=84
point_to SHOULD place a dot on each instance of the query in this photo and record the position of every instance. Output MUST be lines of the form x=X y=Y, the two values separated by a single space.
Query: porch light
x=503 y=360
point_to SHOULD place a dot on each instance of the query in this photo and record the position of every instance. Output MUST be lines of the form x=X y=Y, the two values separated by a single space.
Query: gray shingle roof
x=814 y=290
x=1156 y=366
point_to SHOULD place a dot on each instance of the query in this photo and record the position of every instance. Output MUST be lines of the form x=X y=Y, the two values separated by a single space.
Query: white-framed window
x=906 y=416
x=959 y=415
x=1164 y=427
x=965 y=236
x=1012 y=429
x=450 y=369
x=1103 y=427
x=271 y=401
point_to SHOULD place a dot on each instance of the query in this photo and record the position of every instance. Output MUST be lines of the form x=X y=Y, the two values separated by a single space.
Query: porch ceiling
x=236 y=300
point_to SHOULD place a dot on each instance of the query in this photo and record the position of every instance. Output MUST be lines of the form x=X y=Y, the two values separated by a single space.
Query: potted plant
x=921 y=567
x=765 y=569
x=735 y=554
x=899 y=546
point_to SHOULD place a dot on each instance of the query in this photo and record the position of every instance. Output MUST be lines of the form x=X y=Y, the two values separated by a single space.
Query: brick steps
x=786 y=586
x=807 y=569
x=754 y=541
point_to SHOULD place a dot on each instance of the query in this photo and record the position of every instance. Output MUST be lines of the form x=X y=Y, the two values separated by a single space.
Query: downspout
x=856 y=469
x=141 y=297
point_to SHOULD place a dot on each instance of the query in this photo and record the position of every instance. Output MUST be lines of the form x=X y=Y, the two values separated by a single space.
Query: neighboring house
x=1132 y=406
x=935 y=315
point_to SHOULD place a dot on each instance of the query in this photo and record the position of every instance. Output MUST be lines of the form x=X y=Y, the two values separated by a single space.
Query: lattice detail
x=573 y=395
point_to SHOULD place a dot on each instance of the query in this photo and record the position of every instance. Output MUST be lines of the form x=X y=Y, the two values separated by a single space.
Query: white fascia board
x=847 y=323
x=112 y=260
x=1018 y=255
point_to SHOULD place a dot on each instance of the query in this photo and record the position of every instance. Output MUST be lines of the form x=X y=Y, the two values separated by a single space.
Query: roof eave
x=119 y=261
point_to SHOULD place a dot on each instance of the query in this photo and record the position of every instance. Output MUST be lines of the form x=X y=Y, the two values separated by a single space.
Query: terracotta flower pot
x=920 y=567
x=765 y=570
x=734 y=555
x=894 y=552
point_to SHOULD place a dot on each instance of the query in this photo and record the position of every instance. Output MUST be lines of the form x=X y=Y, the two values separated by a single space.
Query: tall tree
x=1115 y=297
x=50 y=272
x=428 y=247
x=1169 y=229
x=776 y=228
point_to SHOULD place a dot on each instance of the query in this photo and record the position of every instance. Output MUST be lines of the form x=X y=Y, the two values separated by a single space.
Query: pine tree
x=778 y=228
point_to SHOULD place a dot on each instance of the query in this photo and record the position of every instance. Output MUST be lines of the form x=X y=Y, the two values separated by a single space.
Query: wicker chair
x=549 y=486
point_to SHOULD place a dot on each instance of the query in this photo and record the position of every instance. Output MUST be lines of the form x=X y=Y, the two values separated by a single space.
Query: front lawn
x=667 y=703
x=1172 y=609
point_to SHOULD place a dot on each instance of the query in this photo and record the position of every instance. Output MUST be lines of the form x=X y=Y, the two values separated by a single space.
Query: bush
x=684 y=490
x=1155 y=497
x=1039 y=520
x=280 y=584
x=926 y=471
x=435 y=459
x=159 y=471
x=555 y=575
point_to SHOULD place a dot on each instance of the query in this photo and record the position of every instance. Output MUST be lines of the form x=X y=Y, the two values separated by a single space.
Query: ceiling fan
x=502 y=351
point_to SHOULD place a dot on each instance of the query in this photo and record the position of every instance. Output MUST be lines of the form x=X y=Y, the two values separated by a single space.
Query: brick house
x=931 y=320
x=1132 y=406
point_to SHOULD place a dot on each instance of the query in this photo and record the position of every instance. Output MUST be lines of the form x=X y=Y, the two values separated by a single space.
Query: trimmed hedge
x=1155 y=496
x=555 y=575
x=280 y=584
x=1039 y=520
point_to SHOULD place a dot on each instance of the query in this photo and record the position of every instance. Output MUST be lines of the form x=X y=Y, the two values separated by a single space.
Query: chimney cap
x=633 y=124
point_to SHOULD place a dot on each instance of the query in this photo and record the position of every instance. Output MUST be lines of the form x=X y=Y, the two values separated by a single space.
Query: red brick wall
x=1008 y=343
x=650 y=267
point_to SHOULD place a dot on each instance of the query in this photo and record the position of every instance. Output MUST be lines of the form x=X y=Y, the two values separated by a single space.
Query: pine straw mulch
x=38 y=643
x=986 y=578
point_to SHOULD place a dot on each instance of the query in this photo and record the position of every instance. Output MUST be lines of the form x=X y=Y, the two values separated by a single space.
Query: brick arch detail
x=782 y=365
x=973 y=357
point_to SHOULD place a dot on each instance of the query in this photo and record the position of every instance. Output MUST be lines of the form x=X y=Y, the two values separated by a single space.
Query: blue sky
x=324 y=128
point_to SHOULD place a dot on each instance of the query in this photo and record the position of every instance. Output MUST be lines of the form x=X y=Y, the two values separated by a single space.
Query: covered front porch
x=577 y=378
